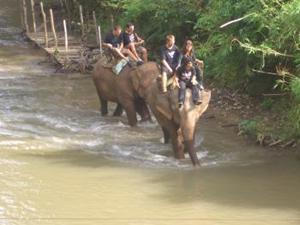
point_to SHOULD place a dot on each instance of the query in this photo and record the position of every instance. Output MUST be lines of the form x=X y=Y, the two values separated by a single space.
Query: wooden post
x=45 y=24
x=25 y=16
x=66 y=38
x=81 y=20
x=100 y=40
x=96 y=26
x=53 y=28
x=61 y=3
x=112 y=21
x=33 y=15
x=22 y=14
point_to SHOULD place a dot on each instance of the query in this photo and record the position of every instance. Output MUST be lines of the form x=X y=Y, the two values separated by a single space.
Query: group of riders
x=180 y=66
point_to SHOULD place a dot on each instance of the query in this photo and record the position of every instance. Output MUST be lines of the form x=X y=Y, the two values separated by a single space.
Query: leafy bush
x=248 y=127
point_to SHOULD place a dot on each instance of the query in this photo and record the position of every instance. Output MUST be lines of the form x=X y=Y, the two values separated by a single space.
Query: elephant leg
x=177 y=143
x=118 y=110
x=189 y=145
x=129 y=108
x=104 y=110
x=166 y=135
x=143 y=110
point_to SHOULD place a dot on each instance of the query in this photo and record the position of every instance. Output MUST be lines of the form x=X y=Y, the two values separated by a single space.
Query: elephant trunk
x=189 y=146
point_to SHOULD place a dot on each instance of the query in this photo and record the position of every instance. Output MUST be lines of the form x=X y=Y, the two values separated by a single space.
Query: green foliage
x=155 y=19
x=267 y=103
x=294 y=121
x=264 y=39
x=295 y=87
x=248 y=127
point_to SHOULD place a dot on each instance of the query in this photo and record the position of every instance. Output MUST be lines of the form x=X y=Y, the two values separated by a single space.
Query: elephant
x=179 y=126
x=120 y=89
x=135 y=88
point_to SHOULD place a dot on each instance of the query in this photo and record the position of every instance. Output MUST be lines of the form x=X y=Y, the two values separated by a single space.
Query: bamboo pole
x=100 y=40
x=22 y=14
x=45 y=24
x=53 y=28
x=81 y=20
x=33 y=16
x=66 y=38
x=96 y=26
x=25 y=16
x=112 y=20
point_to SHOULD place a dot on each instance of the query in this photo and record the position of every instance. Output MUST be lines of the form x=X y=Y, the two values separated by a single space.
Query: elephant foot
x=146 y=119
x=118 y=112
x=180 y=152
x=104 y=112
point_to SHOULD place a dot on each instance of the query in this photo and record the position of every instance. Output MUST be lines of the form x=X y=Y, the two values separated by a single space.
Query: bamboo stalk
x=53 y=28
x=235 y=21
x=21 y=13
x=112 y=20
x=33 y=16
x=66 y=37
x=81 y=20
x=100 y=40
x=25 y=16
x=96 y=26
x=45 y=24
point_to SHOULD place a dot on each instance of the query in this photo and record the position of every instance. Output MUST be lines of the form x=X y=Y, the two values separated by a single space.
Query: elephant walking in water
x=135 y=87
x=119 y=89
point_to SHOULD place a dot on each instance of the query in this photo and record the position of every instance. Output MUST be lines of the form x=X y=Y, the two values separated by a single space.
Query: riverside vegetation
x=255 y=52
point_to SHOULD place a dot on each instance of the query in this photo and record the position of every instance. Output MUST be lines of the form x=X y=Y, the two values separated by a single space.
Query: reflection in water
x=62 y=163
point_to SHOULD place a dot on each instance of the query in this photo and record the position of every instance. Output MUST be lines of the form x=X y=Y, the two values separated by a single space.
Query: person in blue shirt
x=134 y=43
x=170 y=60
x=114 y=42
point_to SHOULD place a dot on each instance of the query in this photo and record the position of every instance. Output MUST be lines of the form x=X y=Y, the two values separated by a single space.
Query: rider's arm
x=107 y=45
x=179 y=59
x=121 y=45
x=164 y=62
x=139 y=40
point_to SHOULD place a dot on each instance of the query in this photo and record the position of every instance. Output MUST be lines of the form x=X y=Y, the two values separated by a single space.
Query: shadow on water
x=262 y=186
x=271 y=185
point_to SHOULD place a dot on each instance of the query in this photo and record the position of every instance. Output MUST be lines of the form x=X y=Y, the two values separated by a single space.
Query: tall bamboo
x=96 y=26
x=33 y=16
x=53 y=28
x=25 y=16
x=45 y=24
x=66 y=38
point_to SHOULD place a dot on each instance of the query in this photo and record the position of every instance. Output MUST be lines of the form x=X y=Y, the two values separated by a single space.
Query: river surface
x=62 y=163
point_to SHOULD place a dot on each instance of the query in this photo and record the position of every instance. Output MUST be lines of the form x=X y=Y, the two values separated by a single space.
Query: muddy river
x=62 y=163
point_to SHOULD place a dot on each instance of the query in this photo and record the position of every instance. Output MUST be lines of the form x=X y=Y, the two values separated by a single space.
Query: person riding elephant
x=114 y=43
x=134 y=43
x=186 y=78
x=170 y=61
x=188 y=53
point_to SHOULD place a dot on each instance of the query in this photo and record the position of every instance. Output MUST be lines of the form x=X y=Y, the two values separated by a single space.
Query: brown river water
x=62 y=163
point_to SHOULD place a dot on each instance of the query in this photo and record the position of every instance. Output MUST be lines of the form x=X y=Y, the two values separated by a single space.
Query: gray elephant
x=137 y=86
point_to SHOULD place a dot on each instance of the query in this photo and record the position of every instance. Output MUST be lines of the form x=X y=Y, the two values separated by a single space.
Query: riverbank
x=251 y=118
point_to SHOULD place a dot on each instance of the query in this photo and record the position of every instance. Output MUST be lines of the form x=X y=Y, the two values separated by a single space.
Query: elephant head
x=187 y=119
